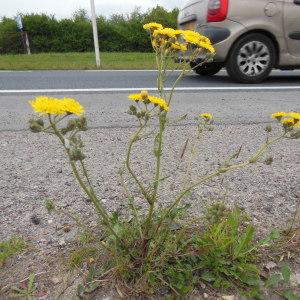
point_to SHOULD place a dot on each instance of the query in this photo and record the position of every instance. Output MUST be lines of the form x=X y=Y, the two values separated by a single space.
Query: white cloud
x=65 y=8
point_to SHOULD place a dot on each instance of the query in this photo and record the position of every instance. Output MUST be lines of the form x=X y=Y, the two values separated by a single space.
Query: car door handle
x=297 y=2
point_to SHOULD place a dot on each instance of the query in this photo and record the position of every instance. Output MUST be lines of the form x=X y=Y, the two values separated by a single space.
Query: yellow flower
x=295 y=116
x=167 y=32
x=135 y=97
x=54 y=106
x=288 y=122
x=197 y=39
x=160 y=102
x=144 y=95
x=206 y=46
x=158 y=43
x=279 y=115
x=190 y=38
x=152 y=26
x=178 y=46
x=207 y=116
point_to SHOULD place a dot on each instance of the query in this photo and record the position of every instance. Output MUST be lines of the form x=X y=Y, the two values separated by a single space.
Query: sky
x=65 y=8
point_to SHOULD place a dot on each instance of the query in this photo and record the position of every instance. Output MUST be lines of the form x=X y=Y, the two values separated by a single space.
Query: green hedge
x=117 y=33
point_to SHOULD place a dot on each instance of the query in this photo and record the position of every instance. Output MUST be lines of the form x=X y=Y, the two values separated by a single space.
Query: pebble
x=35 y=220
x=62 y=243
x=55 y=280
x=231 y=297
x=295 y=279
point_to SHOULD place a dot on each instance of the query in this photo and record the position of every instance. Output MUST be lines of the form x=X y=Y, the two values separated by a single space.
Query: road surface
x=116 y=81
x=103 y=94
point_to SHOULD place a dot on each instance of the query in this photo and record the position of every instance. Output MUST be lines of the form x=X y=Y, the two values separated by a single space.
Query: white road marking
x=182 y=89
x=13 y=71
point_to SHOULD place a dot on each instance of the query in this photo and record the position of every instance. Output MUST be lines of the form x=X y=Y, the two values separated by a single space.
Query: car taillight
x=217 y=10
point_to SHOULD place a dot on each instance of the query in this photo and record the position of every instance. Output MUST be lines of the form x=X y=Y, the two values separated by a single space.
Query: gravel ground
x=34 y=169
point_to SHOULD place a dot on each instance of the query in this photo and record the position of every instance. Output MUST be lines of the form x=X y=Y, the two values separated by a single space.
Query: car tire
x=207 y=69
x=251 y=59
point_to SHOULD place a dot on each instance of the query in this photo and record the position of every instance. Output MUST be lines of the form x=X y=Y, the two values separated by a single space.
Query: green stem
x=220 y=171
x=134 y=176
x=162 y=120
x=101 y=210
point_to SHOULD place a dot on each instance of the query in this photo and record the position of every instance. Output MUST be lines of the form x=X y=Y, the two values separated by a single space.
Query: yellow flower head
x=179 y=47
x=198 y=39
x=279 y=115
x=207 y=116
x=54 y=106
x=160 y=102
x=295 y=116
x=144 y=95
x=206 y=46
x=158 y=43
x=166 y=32
x=288 y=122
x=135 y=97
x=152 y=26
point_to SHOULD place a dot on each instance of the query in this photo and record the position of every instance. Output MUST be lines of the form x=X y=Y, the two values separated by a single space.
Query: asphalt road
x=109 y=81
x=109 y=110
x=103 y=94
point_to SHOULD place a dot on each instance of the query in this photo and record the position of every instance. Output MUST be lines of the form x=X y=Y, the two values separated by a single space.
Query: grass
x=10 y=248
x=78 y=61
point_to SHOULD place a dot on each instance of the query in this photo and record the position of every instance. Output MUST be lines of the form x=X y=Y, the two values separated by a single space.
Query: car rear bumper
x=222 y=35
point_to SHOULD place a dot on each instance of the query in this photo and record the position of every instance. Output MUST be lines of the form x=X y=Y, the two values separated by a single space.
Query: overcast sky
x=65 y=8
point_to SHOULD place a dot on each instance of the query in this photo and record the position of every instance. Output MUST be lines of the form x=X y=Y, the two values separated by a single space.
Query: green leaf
x=245 y=241
x=286 y=273
x=91 y=287
x=80 y=291
x=274 y=235
x=209 y=277
x=274 y=279
x=252 y=280
x=290 y=296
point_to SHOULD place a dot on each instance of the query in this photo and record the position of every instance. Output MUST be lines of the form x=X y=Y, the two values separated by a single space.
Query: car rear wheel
x=208 y=69
x=251 y=59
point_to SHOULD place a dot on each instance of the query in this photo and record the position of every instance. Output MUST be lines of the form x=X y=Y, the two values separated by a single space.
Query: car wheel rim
x=254 y=58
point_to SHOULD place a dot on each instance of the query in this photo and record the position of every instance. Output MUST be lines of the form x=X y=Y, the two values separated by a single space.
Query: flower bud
x=76 y=154
x=35 y=126
x=268 y=128
x=40 y=122
x=269 y=160
x=295 y=135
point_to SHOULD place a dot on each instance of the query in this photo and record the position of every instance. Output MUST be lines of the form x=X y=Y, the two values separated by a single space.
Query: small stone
x=66 y=227
x=231 y=297
x=87 y=200
x=55 y=280
x=35 y=220
x=295 y=279
x=62 y=243
x=50 y=221
x=205 y=296
x=271 y=265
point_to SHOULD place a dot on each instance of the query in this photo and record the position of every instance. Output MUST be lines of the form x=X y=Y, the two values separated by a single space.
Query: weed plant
x=162 y=247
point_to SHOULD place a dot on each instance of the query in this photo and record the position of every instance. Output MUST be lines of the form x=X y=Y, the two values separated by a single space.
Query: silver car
x=251 y=37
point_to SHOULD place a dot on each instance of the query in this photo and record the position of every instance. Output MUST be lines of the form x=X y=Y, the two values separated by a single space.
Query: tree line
x=119 y=32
